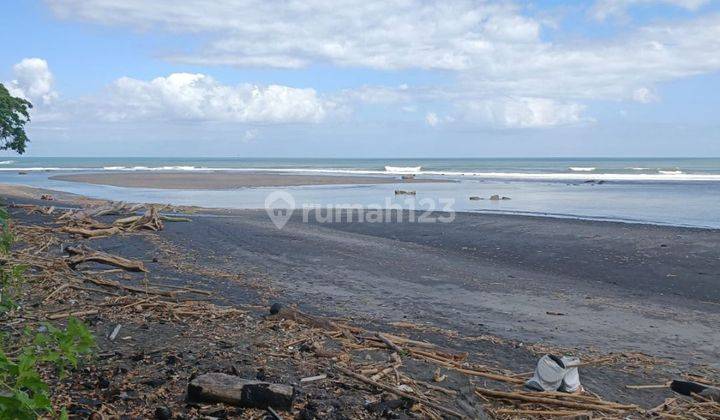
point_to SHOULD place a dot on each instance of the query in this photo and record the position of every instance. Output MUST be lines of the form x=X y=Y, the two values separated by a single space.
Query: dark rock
x=163 y=413
x=276 y=308
x=475 y=198
x=305 y=414
x=495 y=197
x=219 y=387
x=103 y=382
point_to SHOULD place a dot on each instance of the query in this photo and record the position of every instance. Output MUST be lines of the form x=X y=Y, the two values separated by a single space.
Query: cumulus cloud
x=604 y=9
x=523 y=112
x=33 y=81
x=494 y=49
x=198 y=97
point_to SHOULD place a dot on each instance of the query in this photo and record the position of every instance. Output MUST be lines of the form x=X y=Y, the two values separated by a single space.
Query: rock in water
x=495 y=197
x=219 y=387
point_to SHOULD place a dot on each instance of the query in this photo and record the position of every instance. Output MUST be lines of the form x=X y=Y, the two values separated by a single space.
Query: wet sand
x=224 y=180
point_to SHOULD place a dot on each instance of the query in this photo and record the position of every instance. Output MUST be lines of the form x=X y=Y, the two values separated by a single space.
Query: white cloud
x=369 y=33
x=33 y=81
x=494 y=49
x=645 y=95
x=198 y=97
x=523 y=112
x=432 y=119
x=604 y=9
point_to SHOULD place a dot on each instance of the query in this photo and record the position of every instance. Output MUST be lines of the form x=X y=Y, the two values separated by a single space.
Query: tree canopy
x=13 y=116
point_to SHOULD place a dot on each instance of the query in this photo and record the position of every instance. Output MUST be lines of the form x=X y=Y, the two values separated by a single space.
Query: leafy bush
x=23 y=393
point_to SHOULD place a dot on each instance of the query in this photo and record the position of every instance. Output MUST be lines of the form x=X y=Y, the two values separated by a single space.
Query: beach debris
x=496 y=197
x=91 y=231
x=691 y=388
x=555 y=313
x=81 y=254
x=313 y=378
x=549 y=374
x=399 y=392
x=404 y=192
x=150 y=220
x=110 y=208
x=579 y=402
x=571 y=380
x=554 y=373
x=47 y=197
x=220 y=387
x=114 y=332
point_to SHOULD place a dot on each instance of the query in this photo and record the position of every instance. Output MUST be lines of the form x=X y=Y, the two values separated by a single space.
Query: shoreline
x=33 y=193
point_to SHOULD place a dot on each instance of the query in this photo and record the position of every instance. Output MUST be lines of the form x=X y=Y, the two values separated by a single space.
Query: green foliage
x=10 y=284
x=63 y=347
x=14 y=115
x=23 y=393
x=6 y=237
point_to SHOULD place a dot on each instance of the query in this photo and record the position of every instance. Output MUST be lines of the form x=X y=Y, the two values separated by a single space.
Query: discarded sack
x=555 y=373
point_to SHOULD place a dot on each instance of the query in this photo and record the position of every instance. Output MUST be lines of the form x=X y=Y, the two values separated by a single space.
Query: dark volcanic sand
x=622 y=287
x=481 y=274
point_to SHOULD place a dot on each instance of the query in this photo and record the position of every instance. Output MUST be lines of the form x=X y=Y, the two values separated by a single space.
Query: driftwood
x=151 y=220
x=114 y=207
x=135 y=289
x=81 y=254
x=90 y=232
x=400 y=393
x=220 y=387
x=595 y=405
x=297 y=316
x=74 y=313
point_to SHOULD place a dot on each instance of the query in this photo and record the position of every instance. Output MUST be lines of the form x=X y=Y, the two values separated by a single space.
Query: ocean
x=673 y=191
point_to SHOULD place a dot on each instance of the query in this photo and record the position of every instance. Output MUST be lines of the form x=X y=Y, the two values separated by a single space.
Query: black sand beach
x=502 y=289
x=619 y=286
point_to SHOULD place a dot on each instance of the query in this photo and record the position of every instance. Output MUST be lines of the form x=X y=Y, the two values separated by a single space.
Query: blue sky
x=366 y=79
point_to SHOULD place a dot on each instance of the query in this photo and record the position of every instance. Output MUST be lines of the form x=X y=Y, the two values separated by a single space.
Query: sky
x=399 y=78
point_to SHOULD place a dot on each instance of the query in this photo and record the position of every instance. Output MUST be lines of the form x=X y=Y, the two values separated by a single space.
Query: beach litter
x=287 y=360
x=404 y=192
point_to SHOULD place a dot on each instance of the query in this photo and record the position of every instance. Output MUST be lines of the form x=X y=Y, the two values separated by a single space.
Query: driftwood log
x=81 y=254
x=220 y=387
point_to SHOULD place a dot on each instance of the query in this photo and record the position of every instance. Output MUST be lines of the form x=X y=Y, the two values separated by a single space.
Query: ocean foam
x=581 y=169
x=403 y=169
